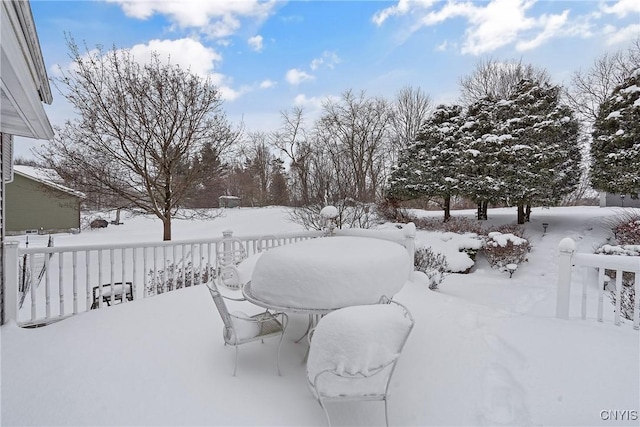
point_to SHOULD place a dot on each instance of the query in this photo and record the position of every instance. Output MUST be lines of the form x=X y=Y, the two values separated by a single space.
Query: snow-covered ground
x=485 y=349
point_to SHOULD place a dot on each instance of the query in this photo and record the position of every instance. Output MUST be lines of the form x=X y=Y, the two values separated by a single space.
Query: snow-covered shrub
x=431 y=263
x=177 y=277
x=460 y=225
x=351 y=214
x=501 y=249
x=627 y=231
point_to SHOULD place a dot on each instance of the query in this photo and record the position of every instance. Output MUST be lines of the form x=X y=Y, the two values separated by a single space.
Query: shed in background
x=229 y=201
x=35 y=202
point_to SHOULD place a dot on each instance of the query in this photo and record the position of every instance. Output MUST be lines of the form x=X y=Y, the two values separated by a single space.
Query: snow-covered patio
x=485 y=350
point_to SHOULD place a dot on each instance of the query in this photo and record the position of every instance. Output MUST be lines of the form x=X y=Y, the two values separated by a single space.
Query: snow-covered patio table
x=323 y=274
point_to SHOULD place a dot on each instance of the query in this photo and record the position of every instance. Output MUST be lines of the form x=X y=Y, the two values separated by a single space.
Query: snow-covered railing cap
x=567 y=245
x=329 y=212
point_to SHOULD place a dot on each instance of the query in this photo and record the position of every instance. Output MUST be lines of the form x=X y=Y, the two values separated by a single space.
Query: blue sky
x=268 y=56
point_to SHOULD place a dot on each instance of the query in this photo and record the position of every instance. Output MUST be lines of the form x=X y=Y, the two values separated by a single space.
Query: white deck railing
x=78 y=277
x=567 y=258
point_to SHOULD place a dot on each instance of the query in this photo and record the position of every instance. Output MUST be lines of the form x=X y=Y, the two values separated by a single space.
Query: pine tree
x=615 y=149
x=430 y=166
x=542 y=160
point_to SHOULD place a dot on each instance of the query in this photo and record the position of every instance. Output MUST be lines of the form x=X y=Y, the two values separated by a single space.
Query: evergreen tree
x=541 y=161
x=430 y=166
x=478 y=145
x=615 y=149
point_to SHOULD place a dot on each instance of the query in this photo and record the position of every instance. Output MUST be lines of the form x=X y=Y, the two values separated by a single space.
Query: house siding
x=32 y=205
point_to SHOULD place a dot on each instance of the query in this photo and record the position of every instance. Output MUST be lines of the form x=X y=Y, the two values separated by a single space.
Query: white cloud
x=216 y=18
x=622 y=8
x=623 y=35
x=328 y=59
x=296 y=76
x=490 y=25
x=552 y=25
x=187 y=53
x=496 y=25
x=255 y=43
x=402 y=8
x=266 y=84
x=442 y=46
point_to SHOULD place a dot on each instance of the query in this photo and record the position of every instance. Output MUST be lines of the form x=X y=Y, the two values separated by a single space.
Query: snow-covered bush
x=460 y=225
x=351 y=214
x=627 y=230
x=431 y=263
x=502 y=249
x=177 y=277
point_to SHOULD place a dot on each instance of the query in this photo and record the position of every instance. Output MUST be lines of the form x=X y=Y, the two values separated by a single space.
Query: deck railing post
x=566 y=249
x=410 y=242
x=10 y=282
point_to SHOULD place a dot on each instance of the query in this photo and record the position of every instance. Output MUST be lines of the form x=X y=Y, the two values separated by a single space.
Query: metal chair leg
x=386 y=413
x=326 y=413
x=235 y=366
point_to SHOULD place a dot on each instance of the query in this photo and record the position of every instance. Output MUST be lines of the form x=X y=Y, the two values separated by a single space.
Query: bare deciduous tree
x=292 y=141
x=138 y=132
x=355 y=131
x=411 y=108
x=496 y=79
x=590 y=88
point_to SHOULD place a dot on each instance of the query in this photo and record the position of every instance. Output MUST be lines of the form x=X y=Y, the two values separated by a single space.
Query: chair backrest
x=230 y=251
x=221 y=306
x=358 y=342
x=267 y=242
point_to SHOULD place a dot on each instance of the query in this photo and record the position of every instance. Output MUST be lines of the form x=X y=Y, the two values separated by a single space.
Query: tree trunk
x=479 y=215
x=166 y=222
x=521 y=214
x=447 y=208
x=485 y=208
x=527 y=213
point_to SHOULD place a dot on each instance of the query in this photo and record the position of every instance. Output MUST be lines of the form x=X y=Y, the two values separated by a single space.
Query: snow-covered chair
x=229 y=252
x=267 y=242
x=240 y=328
x=353 y=353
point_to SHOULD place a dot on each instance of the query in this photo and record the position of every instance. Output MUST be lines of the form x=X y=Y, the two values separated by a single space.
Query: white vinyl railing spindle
x=636 y=309
x=166 y=286
x=145 y=253
x=155 y=279
x=584 y=292
x=87 y=265
x=209 y=261
x=112 y=268
x=61 y=282
x=134 y=278
x=123 y=276
x=100 y=278
x=47 y=287
x=74 y=278
x=175 y=267
x=601 y=284
x=618 y=295
x=192 y=263
x=200 y=258
x=34 y=285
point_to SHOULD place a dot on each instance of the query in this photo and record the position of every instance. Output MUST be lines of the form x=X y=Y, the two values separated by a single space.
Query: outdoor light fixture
x=511 y=268
x=545 y=225
x=622 y=199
